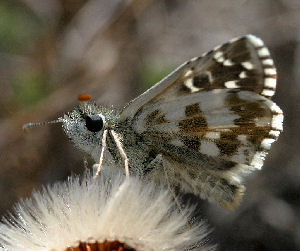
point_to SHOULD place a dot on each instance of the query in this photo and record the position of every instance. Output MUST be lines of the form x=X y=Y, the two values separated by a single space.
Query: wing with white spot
x=213 y=117
x=243 y=63
x=232 y=125
x=213 y=138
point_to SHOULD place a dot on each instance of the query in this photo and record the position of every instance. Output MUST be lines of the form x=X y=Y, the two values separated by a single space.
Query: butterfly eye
x=94 y=123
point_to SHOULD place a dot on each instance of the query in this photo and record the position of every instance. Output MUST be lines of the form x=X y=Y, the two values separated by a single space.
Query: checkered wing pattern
x=212 y=119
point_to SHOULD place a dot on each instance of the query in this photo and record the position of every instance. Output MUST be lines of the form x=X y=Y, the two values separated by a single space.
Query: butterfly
x=201 y=129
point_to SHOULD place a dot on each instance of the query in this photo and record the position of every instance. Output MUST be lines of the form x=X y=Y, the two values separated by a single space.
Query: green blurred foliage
x=18 y=27
x=29 y=87
x=151 y=73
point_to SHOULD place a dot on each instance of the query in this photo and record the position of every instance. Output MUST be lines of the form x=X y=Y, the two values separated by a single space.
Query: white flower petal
x=110 y=207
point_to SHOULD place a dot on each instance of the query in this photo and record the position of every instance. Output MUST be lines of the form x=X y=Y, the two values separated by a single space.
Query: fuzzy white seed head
x=111 y=208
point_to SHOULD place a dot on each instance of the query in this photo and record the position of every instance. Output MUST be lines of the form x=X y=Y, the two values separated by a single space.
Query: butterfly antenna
x=81 y=98
x=28 y=126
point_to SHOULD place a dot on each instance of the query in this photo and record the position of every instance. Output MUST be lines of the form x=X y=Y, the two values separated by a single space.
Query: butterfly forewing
x=212 y=119
x=243 y=63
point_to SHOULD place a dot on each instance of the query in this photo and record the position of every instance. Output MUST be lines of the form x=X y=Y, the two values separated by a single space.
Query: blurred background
x=53 y=50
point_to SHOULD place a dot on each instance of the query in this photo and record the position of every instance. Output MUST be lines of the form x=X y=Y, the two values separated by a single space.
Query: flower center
x=101 y=246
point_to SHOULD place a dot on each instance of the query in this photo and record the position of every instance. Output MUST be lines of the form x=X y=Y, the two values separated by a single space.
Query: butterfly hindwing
x=227 y=138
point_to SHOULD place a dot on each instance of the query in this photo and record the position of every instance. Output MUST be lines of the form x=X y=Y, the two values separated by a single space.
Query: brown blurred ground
x=53 y=50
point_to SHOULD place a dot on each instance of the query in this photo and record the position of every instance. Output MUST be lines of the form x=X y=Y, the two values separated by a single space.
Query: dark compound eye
x=93 y=123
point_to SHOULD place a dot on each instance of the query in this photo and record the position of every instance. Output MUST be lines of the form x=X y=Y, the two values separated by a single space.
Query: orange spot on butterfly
x=84 y=97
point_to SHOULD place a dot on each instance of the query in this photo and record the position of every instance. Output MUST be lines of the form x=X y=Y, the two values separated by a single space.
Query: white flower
x=109 y=208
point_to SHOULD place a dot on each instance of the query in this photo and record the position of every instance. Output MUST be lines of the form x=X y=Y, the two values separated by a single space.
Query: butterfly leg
x=121 y=150
x=160 y=163
x=158 y=169
x=85 y=163
x=98 y=166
